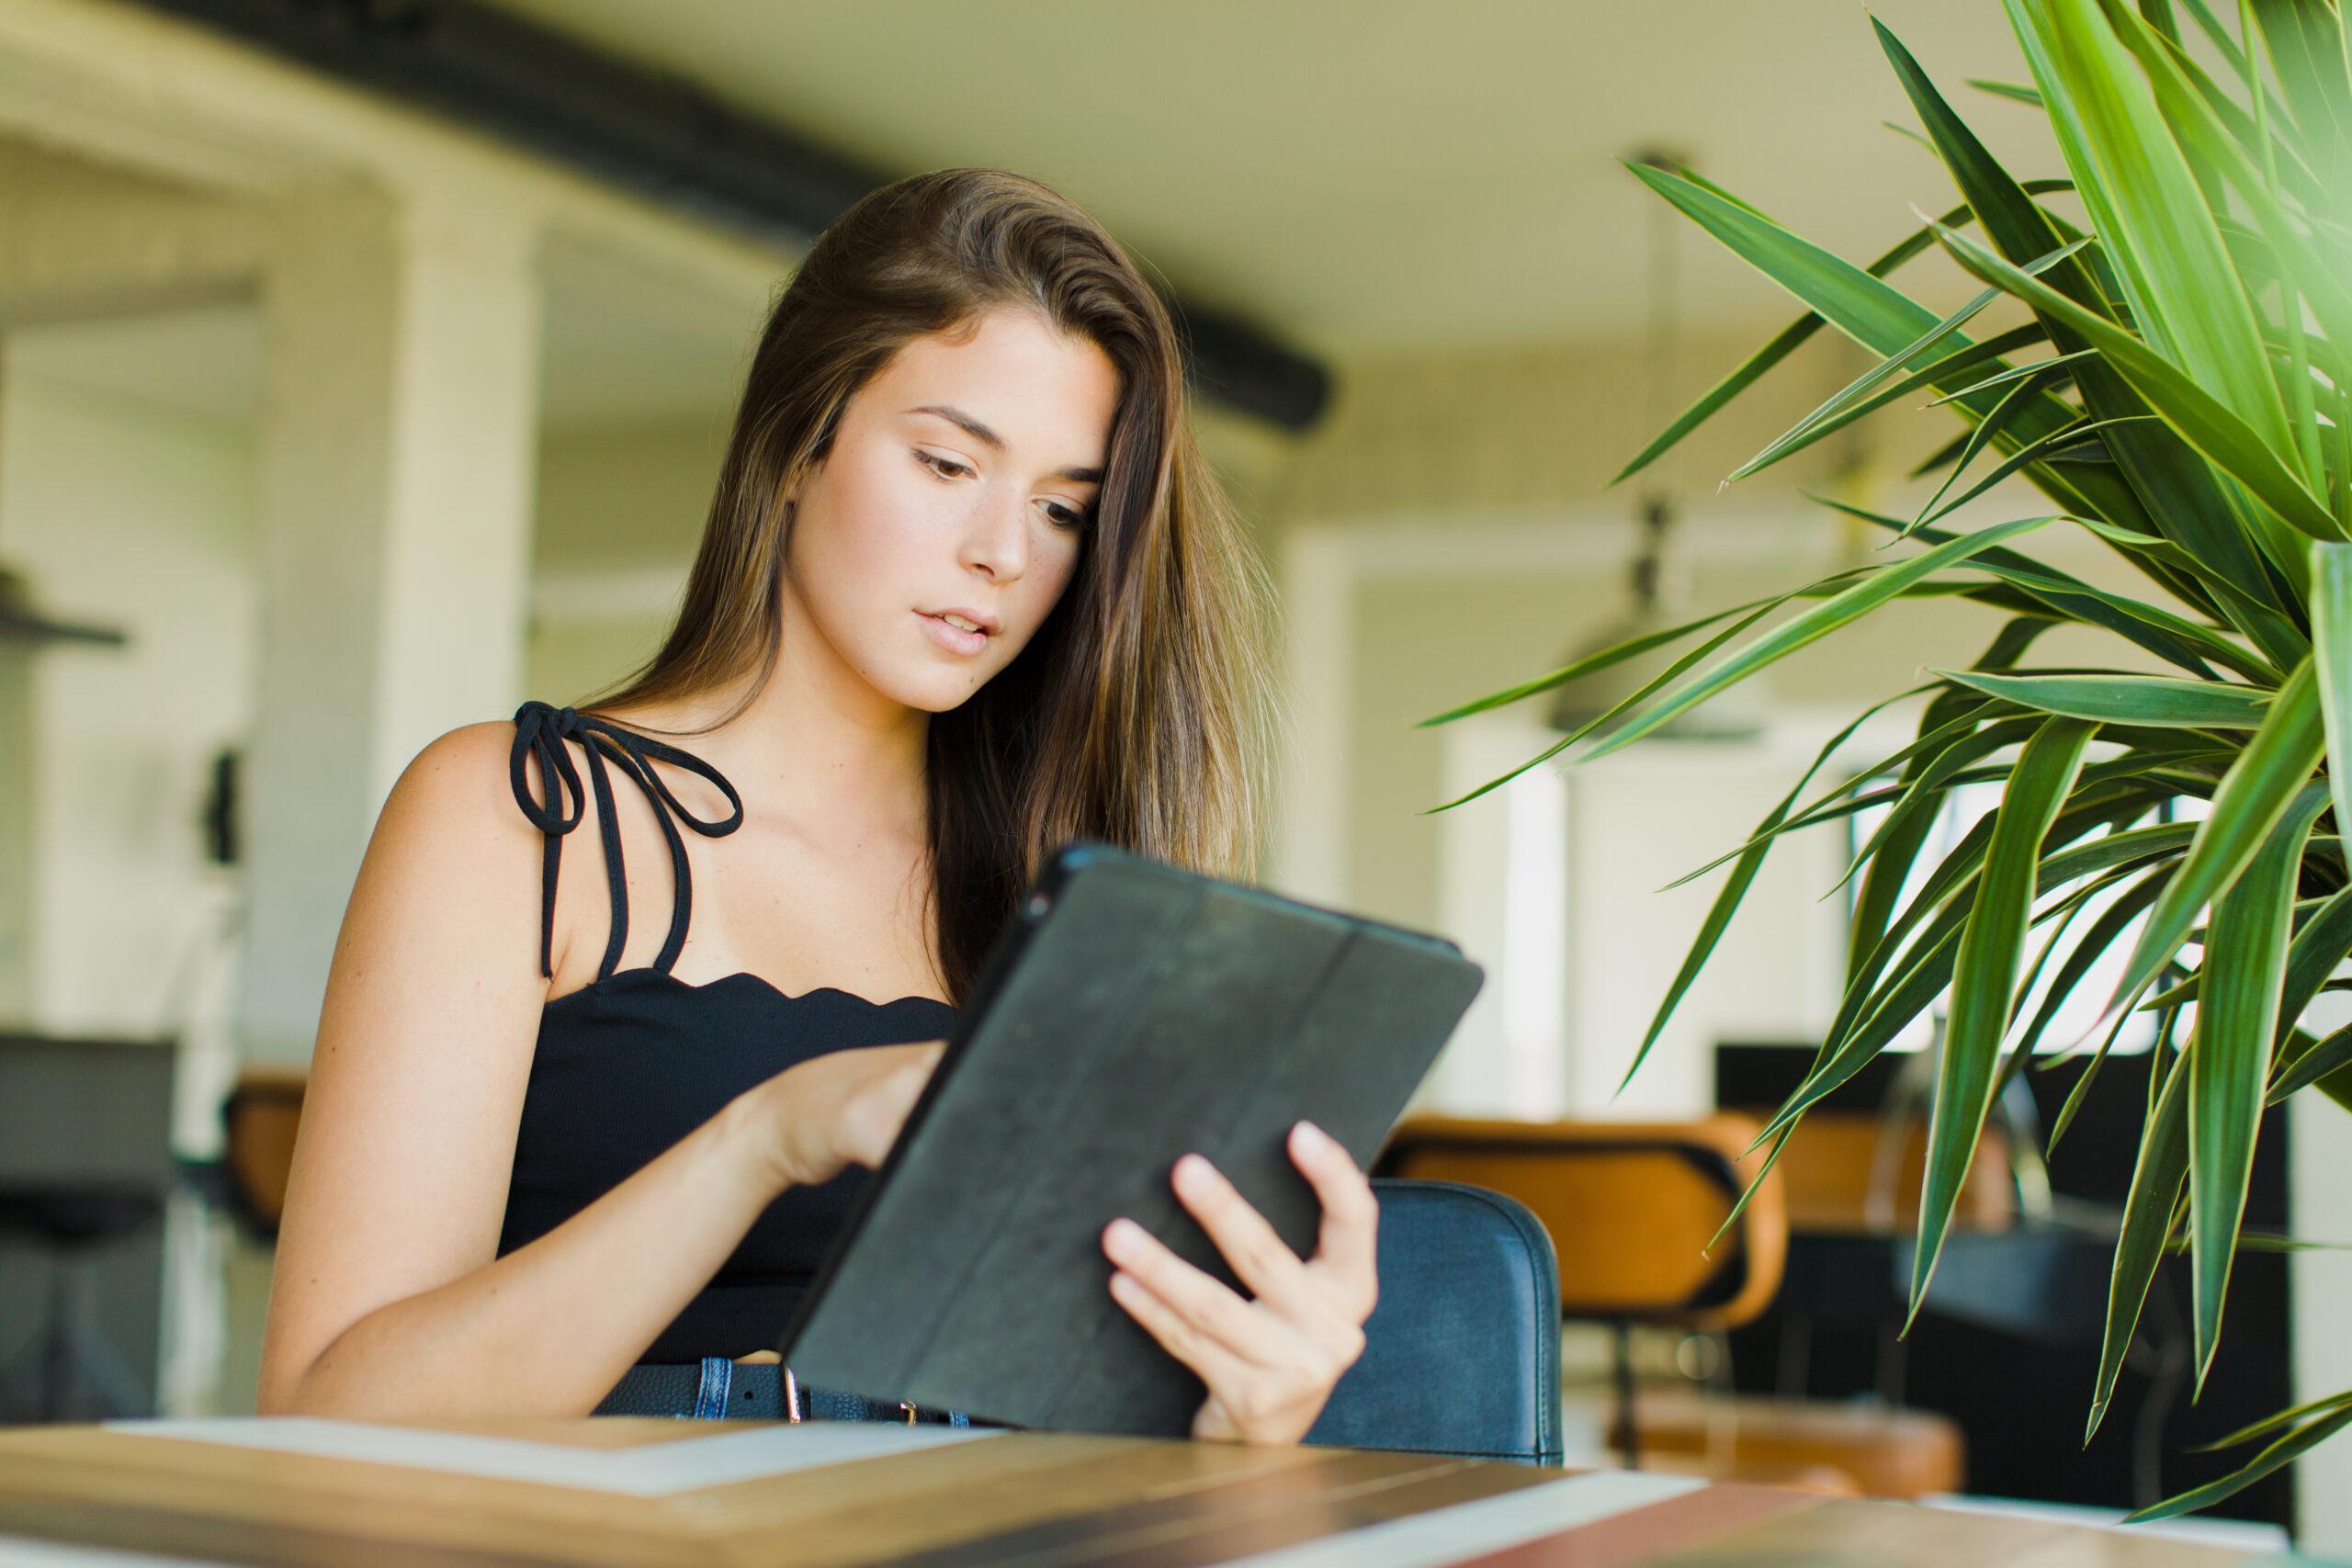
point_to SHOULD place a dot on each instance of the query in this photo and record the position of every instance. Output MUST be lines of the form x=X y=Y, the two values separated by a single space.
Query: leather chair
x=1461 y=1354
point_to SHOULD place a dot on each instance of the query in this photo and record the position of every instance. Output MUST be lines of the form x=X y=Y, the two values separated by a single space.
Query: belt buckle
x=792 y=1400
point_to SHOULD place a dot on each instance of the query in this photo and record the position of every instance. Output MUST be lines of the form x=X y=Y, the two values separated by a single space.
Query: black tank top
x=634 y=1061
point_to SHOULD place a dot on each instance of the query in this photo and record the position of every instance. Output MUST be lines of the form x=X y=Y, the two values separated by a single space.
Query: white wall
x=621 y=511
x=133 y=515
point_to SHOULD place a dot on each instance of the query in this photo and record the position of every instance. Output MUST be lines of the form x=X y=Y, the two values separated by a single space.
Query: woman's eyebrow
x=987 y=437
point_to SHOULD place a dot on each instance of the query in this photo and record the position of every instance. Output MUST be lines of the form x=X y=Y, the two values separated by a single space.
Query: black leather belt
x=716 y=1388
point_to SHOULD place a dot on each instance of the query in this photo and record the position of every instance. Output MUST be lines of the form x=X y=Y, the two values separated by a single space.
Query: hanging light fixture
x=1657 y=576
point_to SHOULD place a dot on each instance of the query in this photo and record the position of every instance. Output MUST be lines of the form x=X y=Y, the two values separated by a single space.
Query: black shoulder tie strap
x=540 y=732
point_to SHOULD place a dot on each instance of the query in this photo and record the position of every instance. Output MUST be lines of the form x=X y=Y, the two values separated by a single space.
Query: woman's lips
x=954 y=639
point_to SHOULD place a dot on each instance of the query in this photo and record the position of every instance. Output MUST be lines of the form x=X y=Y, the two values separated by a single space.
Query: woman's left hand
x=1271 y=1362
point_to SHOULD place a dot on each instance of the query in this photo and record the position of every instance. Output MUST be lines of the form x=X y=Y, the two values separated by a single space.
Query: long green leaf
x=2329 y=1055
x=2202 y=420
x=2160 y=700
x=1591 y=664
x=2146 y=206
x=2319 y=945
x=2229 y=1060
x=1640 y=694
x=1990 y=430
x=1846 y=799
x=2256 y=792
x=2306 y=43
x=1875 y=902
x=2331 y=655
x=2195 y=121
x=2076 y=1096
x=2073 y=443
x=1939 y=373
x=1874 y=314
x=2182 y=499
x=1925 y=938
x=1785 y=343
x=1924 y=791
x=1984 y=978
x=2013 y=91
x=1958 y=867
x=2170 y=637
x=2286 y=1450
x=1734 y=889
x=1861 y=389
x=2157 y=1176
x=2282 y=643
x=1808 y=627
x=2060 y=366
x=2278 y=1421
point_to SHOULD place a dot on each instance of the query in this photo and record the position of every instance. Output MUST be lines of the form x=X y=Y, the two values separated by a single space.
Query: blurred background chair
x=69 y=1370
x=259 y=1119
x=84 y=1175
x=1632 y=1209
x=2021 y=1285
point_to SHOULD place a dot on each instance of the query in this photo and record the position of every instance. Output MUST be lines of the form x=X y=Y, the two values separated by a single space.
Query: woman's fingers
x=1345 y=1246
x=1270 y=1364
x=1203 y=1302
x=1267 y=1385
x=1262 y=1260
x=1178 y=1334
x=889 y=1080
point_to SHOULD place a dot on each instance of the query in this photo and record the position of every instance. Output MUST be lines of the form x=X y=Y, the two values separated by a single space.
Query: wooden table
x=656 y=1493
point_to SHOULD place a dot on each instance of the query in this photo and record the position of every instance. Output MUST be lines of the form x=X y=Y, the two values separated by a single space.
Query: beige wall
x=620 y=510
x=126 y=514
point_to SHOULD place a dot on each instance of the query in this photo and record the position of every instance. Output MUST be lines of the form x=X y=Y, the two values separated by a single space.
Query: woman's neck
x=836 y=751
x=827 y=753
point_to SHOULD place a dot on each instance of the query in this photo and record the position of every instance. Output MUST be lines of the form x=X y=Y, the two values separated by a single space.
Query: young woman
x=966 y=591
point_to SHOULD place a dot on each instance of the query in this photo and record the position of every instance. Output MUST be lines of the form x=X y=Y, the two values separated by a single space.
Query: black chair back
x=1462 y=1353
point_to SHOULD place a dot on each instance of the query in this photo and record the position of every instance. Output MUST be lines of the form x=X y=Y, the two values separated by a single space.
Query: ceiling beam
x=660 y=135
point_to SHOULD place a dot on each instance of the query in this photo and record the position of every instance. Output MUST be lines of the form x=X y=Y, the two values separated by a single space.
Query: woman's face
x=960 y=482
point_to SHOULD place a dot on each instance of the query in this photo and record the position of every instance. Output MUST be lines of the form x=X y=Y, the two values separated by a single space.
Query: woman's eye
x=940 y=466
x=947 y=468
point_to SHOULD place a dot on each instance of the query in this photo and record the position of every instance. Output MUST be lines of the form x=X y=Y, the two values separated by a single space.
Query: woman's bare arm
x=389 y=1299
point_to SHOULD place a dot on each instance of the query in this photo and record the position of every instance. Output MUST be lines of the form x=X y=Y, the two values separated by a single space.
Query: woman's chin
x=937 y=690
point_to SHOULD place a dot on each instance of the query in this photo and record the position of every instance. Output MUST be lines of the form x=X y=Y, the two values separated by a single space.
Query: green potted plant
x=2179 y=384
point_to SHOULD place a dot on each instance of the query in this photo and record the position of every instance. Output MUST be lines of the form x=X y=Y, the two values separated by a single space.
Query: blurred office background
x=364 y=369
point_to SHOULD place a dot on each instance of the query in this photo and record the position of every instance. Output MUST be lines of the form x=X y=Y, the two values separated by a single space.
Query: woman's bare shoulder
x=459 y=789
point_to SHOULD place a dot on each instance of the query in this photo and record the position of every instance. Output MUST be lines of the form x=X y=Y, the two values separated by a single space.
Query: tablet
x=1130 y=1012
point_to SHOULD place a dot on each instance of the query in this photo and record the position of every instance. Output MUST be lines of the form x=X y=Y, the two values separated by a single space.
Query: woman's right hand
x=843 y=1108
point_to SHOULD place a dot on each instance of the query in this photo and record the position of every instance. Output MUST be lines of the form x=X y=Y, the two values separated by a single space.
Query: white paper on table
x=651 y=1470
x=1463 y=1531
x=16 y=1552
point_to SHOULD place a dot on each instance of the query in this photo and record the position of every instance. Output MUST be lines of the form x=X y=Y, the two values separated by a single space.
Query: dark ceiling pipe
x=662 y=135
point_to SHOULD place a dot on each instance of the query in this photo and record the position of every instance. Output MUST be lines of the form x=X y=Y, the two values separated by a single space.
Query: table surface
x=623 y=1492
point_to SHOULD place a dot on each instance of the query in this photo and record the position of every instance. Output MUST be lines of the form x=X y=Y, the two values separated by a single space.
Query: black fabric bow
x=540 y=732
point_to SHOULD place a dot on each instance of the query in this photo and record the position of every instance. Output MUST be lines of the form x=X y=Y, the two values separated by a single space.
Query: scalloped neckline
x=663 y=975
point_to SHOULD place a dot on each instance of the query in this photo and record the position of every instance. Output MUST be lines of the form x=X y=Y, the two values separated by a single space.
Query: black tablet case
x=1131 y=1012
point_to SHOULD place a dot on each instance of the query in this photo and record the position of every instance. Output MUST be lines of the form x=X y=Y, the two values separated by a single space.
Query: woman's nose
x=998 y=540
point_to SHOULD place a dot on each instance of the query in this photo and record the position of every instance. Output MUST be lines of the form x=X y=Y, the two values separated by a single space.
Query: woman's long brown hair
x=1140 y=712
